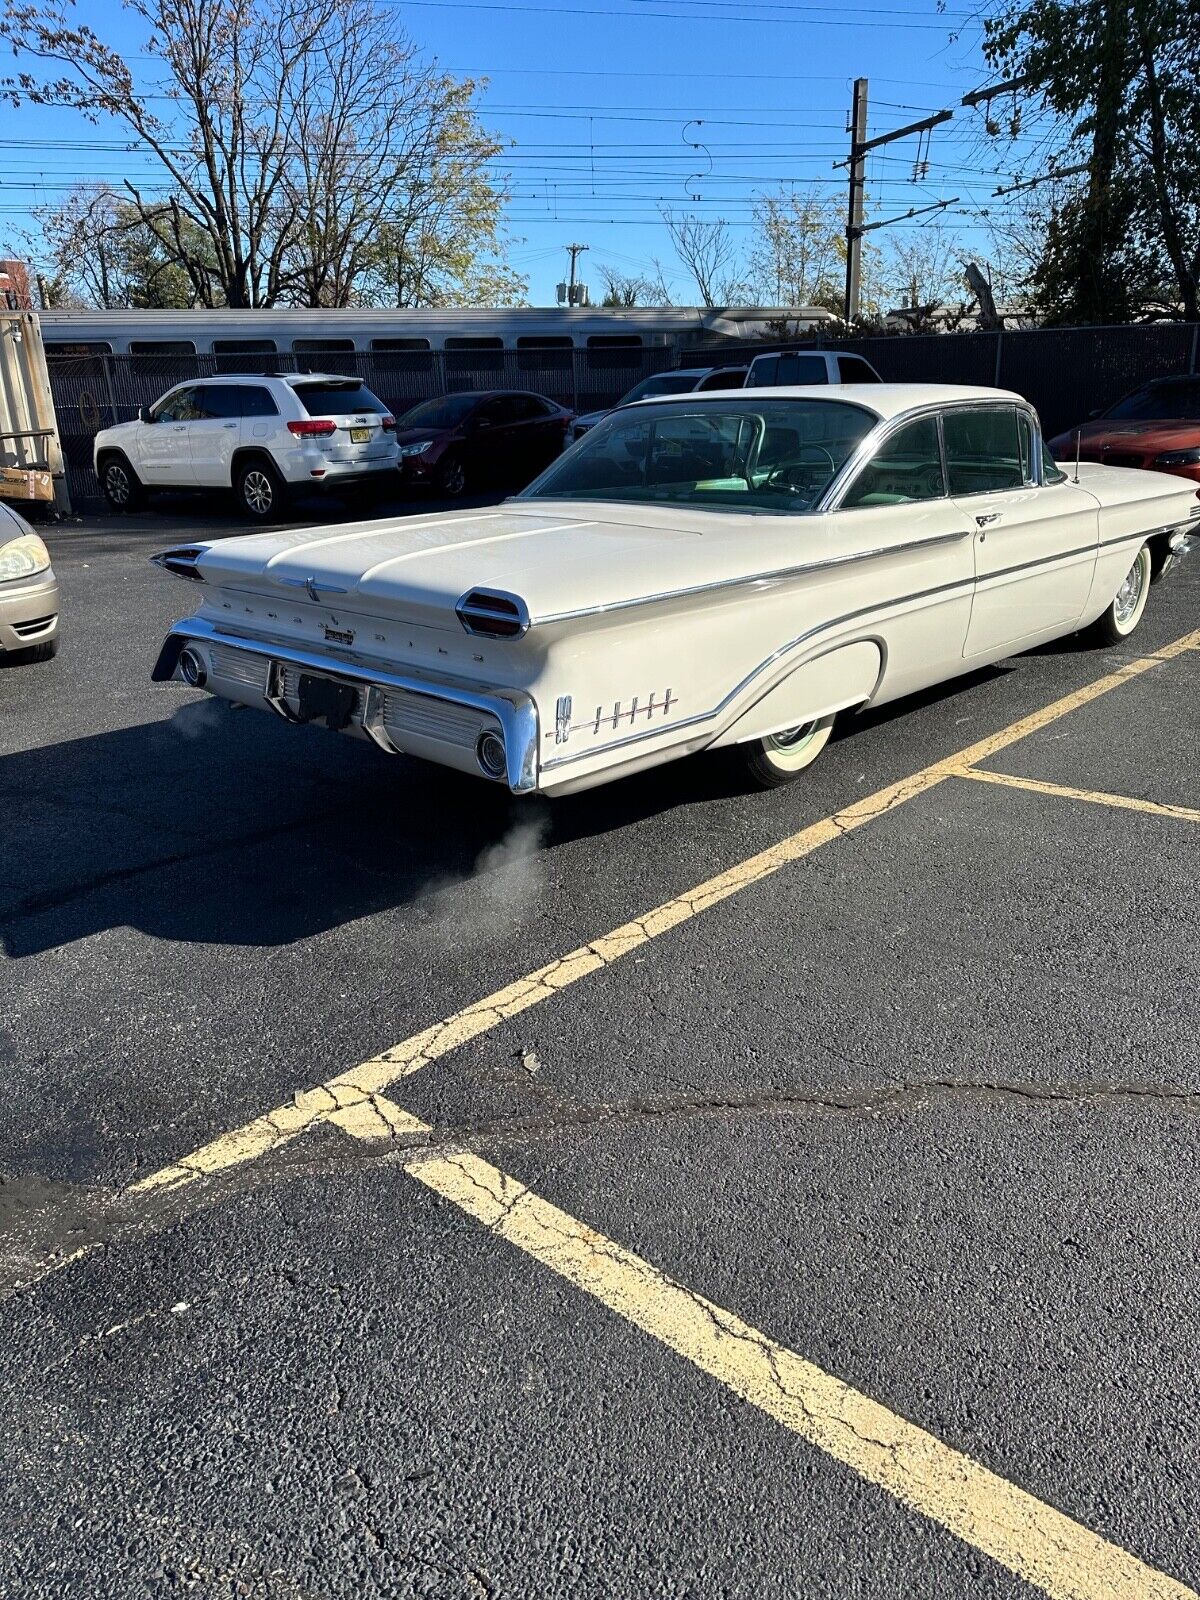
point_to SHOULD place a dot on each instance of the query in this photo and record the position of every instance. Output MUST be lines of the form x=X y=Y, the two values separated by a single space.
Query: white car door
x=163 y=446
x=214 y=433
x=1034 y=542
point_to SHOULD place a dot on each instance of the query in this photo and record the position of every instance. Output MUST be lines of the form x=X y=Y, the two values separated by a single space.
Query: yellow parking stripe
x=1123 y=802
x=1015 y=1528
x=312 y=1106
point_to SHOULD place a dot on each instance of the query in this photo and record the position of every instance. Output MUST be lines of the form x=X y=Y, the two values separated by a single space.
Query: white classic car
x=734 y=568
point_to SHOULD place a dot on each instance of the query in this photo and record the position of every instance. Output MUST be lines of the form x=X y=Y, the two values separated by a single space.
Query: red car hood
x=1108 y=433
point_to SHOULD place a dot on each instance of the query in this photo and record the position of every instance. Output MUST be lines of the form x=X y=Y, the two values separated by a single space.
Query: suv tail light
x=388 y=424
x=314 y=426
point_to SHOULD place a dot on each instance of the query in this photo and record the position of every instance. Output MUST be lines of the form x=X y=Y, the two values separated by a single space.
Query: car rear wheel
x=781 y=757
x=1128 y=604
x=259 y=489
x=122 y=488
x=451 y=477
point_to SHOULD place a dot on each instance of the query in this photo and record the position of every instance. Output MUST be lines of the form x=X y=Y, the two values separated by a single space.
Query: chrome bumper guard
x=512 y=709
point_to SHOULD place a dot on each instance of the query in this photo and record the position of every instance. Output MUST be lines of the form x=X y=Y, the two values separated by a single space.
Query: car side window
x=257 y=402
x=983 y=452
x=495 y=413
x=1025 y=446
x=178 y=407
x=907 y=467
x=219 y=401
x=855 y=370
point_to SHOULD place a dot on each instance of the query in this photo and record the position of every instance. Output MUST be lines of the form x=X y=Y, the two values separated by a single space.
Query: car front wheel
x=260 y=490
x=781 y=757
x=1129 y=603
x=120 y=483
x=451 y=477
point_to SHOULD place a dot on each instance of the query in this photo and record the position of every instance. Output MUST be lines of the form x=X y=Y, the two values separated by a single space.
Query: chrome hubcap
x=117 y=484
x=1130 y=593
x=256 y=488
x=792 y=739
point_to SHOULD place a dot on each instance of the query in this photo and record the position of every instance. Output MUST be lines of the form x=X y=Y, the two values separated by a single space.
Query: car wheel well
x=1160 y=554
x=247 y=453
x=112 y=453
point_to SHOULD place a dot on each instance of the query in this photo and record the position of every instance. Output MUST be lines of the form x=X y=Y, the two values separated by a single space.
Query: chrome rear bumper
x=512 y=710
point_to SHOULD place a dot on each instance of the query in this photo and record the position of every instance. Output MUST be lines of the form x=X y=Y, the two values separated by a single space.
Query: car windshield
x=332 y=399
x=734 y=455
x=660 y=383
x=446 y=412
x=1160 y=402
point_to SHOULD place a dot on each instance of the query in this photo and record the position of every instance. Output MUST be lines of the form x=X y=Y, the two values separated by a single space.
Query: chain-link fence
x=95 y=391
x=1066 y=373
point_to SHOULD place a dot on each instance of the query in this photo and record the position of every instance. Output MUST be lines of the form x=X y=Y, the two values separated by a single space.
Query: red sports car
x=1157 y=427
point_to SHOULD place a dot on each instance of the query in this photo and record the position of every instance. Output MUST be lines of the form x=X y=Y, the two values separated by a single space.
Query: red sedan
x=1156 y=427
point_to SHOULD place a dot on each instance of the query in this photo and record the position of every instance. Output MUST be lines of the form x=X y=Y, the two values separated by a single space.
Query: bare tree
x=923 y=275
x=295 y=131
x=709 y=255
x=798 y=251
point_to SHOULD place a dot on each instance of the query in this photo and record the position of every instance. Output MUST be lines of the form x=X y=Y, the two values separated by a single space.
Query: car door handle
x=983 y=522
x=230 y=424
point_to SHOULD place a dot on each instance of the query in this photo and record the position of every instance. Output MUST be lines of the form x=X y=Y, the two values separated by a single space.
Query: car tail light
x=496 y=616
x=312 y=427
x=388 y=424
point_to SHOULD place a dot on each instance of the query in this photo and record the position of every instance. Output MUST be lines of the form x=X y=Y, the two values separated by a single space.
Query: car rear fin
x=493 y=614
x=182 y=561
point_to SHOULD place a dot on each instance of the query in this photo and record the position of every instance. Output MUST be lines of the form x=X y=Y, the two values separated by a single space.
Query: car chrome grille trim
x=408 y=715
x=238 y=666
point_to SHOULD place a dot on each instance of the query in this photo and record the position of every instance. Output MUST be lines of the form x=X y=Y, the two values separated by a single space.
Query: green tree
x=105 y=253
x=798 y=250
x=1123 y=77
x=300 y=138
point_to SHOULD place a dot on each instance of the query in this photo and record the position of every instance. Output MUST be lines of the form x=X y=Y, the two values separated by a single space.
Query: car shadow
x=223 y=826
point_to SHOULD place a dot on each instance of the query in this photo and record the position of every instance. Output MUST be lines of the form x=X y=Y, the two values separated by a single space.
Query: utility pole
x=854 y=218
x=859 y=146
x=574 y=251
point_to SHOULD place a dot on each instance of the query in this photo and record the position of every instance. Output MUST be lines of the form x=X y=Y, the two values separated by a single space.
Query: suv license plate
x=360 y=435
x=325 y=697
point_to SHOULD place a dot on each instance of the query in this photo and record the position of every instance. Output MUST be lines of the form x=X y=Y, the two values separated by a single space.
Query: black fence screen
x=1066 y=373
x=96 y=391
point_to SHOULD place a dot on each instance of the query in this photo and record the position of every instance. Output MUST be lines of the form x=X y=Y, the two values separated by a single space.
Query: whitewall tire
x=781 y=757
x=1129 y=603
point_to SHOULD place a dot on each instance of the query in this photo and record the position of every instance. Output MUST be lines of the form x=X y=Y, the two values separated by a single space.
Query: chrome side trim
x=182 y=561
x=773 y=575
x=514 y=710
x=850 y=616
x=467 y=613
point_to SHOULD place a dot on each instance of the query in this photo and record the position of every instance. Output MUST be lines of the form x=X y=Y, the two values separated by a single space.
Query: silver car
x=28 y=592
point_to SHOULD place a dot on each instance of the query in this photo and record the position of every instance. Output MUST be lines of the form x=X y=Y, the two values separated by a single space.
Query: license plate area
x=325 y=699
x=360 y=435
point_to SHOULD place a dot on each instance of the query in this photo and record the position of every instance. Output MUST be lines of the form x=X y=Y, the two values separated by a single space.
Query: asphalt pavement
x=675 y=1190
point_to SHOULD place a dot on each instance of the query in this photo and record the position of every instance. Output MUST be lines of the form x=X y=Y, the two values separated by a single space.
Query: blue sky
x=605 y=102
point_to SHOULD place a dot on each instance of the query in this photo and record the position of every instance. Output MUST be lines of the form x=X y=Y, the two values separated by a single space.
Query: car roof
x=885 y=399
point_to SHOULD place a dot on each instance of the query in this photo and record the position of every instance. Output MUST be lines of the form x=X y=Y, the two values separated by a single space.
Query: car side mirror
x=144 y=414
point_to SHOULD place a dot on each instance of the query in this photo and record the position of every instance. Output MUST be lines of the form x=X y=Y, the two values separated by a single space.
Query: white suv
x=788 y=367
x=259 y=436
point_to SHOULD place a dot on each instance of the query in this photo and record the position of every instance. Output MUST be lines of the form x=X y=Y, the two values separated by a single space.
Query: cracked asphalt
x=918 y=1105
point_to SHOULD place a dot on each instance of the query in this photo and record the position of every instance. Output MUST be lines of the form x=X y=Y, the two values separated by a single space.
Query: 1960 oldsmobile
x=732 y=568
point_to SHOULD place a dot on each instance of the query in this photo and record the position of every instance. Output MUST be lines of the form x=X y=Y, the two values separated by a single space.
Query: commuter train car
x=469 y=331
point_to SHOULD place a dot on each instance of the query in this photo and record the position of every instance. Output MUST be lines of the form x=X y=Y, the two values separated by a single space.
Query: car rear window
x=767 y=372
x=332 y=399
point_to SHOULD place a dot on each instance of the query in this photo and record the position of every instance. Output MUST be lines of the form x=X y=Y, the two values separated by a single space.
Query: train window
x=161 y=347
x=243 y=347
x=398 y=346
x=479 y=353
x=75 y=347
x=320 y=346
x=544 y=352
x=609 y=351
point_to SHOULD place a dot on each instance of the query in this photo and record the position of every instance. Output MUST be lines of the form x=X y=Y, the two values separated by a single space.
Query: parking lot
x=671 y=1191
